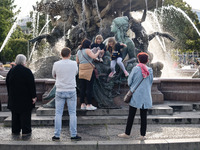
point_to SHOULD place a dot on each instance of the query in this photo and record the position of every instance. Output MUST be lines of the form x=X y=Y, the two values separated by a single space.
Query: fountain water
x=9 y=35
x=37 y=24
x=178 y=10
x=34 y=23
x=47 y=20
x=83 y=15
x=97 y=8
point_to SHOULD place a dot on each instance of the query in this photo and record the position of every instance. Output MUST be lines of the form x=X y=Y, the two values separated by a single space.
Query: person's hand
x=34 y=100
x=79 y=46
x=123 y=44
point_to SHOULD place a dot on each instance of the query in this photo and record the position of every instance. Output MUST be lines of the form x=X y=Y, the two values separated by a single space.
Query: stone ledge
x=163 y=144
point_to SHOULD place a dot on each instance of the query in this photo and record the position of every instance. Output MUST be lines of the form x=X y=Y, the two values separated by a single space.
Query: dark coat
x=21 y=89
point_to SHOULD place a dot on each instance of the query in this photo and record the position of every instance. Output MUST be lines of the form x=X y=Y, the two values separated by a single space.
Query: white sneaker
x=97 y=59
x=123 y=135
x=83 y=107
x=101 y=60
x=91 y=107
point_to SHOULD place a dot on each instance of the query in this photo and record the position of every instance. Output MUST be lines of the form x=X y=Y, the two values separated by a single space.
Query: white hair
x=20 y=59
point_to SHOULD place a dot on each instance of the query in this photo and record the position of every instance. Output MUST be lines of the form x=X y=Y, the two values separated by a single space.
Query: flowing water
x=97 y=9
x=178 y=10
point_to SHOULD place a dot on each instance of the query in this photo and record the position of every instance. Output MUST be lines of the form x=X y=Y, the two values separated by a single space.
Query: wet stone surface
x=106 y=133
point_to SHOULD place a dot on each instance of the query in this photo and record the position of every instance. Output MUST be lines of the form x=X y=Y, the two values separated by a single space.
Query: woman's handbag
x=128 y=96
x=94 y=68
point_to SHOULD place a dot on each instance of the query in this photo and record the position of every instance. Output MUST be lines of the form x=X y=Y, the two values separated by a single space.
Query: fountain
x=86 y=18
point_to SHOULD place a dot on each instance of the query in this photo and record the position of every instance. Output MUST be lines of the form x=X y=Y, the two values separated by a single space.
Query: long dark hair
x=85 y=44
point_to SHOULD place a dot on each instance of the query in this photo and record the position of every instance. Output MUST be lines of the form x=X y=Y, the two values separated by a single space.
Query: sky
x=195 y=4
x=26 y=5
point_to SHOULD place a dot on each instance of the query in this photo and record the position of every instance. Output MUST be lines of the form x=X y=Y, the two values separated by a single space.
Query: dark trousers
x=21 y=121
x=86 y=88
x=131 y=116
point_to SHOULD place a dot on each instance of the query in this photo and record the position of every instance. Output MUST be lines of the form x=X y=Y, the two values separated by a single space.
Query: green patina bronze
x=106 y=88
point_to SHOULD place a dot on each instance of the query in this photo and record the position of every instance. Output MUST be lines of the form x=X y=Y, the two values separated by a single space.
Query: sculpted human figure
x=103 y=91
x=119 y=27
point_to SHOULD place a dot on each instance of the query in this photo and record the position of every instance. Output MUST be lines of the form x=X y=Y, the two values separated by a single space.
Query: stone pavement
x=107 y=133
x=99 y=130
x=159 y=137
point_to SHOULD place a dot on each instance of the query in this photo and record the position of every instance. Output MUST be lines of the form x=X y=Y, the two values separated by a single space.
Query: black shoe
x=55 y=138
x=26 y=134
x=17 y=133
x=76 y=138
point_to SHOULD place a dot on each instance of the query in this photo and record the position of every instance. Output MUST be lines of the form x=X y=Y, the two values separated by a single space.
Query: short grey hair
x=20 y=59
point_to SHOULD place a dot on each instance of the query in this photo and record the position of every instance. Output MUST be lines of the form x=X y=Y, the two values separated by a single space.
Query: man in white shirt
x=65 y=72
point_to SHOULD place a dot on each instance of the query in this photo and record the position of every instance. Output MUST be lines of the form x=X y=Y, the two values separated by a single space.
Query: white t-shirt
x=65 y=72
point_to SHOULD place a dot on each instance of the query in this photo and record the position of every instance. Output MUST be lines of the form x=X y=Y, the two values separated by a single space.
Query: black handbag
x=129 y=94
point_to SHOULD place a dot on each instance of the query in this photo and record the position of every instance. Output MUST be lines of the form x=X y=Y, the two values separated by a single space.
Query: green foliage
x=18 y=41
x=175 y=23
x=13 y=48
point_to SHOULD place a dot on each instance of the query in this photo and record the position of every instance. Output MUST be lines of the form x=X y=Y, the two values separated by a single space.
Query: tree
x=6 y=18
x=17 y=44
x=174 y=22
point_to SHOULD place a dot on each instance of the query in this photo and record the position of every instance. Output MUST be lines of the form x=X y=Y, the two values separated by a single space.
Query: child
x=116 y=56
x=98 y=45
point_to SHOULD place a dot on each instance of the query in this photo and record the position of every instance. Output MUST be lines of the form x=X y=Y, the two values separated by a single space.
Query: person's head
x=120 y=24
x=85 y=44
x=1 y=64
x=98 y=39
x=111 y=42
x=66 y=52
x=143 y=57
x=20 y=59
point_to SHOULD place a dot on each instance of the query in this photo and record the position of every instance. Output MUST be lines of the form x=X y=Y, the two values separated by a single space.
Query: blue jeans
x=71 y=99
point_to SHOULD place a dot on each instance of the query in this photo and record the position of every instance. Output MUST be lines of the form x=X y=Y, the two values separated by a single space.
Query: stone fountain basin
x=170 y=89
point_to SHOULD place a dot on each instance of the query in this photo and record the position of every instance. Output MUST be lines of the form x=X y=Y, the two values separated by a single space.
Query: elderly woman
x=141 y=77
x=21 y=96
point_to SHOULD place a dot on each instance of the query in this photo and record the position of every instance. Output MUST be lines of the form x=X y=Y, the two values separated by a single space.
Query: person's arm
x=151 y=76
x=131 y=77
x=53 y=71
x=91 y=54
x=76 y=67
x=122 y=45
x=32 y=86
x=77 y=60
x=7 y=80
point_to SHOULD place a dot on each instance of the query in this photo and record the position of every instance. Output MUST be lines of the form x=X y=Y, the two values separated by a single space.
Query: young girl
x=116 y=57
x=98 y=45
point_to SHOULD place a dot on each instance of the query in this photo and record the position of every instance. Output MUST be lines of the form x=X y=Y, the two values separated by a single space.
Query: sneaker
x=76 y=138
x=126 y=73
x=55 y=138
x=91 y=107
x=123 y=135
x=83 y=107
x=111 y=74
x=142 y=138
x=101 y=60
x=97 y=59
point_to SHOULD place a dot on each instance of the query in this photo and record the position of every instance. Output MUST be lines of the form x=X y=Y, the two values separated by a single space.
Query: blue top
x=81 y=59
x=142 y=96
